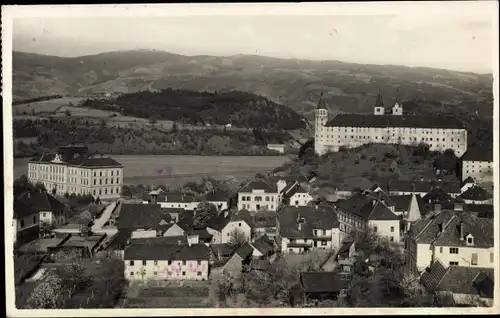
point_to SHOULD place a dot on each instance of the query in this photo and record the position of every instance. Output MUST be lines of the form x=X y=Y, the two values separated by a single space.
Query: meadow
x=45 y=107
x=175 y=170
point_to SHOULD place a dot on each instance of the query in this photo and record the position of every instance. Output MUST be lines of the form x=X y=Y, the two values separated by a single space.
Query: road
x=106 y=214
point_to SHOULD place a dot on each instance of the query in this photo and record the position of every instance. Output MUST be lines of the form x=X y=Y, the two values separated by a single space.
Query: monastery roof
x=478 y=154
x=401 y=121
x=83 y=161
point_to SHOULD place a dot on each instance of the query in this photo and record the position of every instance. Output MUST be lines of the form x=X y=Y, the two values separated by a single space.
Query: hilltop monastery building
x=389 y=126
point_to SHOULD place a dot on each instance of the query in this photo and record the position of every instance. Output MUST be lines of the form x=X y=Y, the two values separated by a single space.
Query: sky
x=441 y=39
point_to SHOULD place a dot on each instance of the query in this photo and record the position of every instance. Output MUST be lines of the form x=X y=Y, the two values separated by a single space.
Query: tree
x=67 y=112
x=73 y=278
x=40 y=187
x=22 y=184
x=307 y=145
x=204 y=212
x=237 y=238
x=47 y=294
x=46 y=228
x=85 y=220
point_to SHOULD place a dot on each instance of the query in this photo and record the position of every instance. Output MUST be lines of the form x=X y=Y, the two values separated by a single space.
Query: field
x=82 y=112
x=45 y=107
x=164 y=294
x=174 y=170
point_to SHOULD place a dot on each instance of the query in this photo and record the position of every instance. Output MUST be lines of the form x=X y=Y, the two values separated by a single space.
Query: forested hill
x=236 y=108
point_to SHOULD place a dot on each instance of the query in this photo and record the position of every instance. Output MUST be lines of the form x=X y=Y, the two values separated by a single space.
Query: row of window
x=387 y=138
x=375 y=229
x=169 y=273
x=258 y=207
x=72 y=171
x=422 y=131
x=145 y=262
x=323 y=243
x=257 y=198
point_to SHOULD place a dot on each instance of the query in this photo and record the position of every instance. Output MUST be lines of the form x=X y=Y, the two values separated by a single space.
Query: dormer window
x=470 y=239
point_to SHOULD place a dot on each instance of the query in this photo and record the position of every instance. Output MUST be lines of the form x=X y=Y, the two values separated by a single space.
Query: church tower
x=379 y=108
x=398 y=106
x=321 y=117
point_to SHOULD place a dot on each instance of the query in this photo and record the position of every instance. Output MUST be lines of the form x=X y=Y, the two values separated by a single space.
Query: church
x=387 y=125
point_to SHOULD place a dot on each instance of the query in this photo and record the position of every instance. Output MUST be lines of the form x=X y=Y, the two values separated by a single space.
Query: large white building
x=389 y=126
x=71 y=170
x=477 y=164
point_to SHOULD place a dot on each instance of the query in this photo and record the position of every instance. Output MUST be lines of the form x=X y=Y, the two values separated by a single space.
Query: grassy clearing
x=83 y=112
x=45 y=107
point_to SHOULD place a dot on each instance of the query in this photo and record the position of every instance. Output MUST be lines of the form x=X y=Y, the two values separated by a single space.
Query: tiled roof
x=321 y=103
x=22 y=210
x=367 y=208
x=423 y=186
x=401 y=202
x=245 y=250
x=220 y=221
x=203 y=234
x=179 y=197
x=462 y=280
x=120 y=240
x=182 y=252
x=476 y=193
x=216 y=195
x=259 y=184
x=291 y=189
x=264 y=219
x=42 y=201
x=161 y=240
x=402 y=121
x=478 y=154
x=438 y=195
x=322 y=282
x=225 y=250
x=139 y=216
x=432 y=275
x=263 y=244
x=427 y=231
x=95 y=162
x=481 y=210
x=160 y=197
x=260 y=264
x=323 y=217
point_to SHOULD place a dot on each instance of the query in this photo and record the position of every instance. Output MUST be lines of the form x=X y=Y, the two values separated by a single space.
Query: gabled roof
x=403 y=121
x=245 y=250
x=160 y=197
x=162 y=252
x=322 y=282
x=291 y=189
x=401 y=202
x=476 y=193
x=219 y=222
x=216 y=195
x=481 y=210
x=120 y=240
x=460 y=280
x=322 y=217
x=259 y=184
x=478 y=154
x=427 y=231
x=222 y=249
x=263 y=244
x=42 y=201
x=179 y=197
x=468 y=180
x=423 y=186
x=367 y=208
x=161 y=240
x=264 y=219
x=140 y=216
x=432 y=275
x=22 y=210
x=95 y=162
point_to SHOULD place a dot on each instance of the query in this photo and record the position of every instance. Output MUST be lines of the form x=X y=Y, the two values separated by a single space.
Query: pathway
x=106 y=214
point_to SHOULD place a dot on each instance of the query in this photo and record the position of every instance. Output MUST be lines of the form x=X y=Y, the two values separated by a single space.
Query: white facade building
x=477 y=164
x=258 y=195
x=98 y=176
x=388 y=127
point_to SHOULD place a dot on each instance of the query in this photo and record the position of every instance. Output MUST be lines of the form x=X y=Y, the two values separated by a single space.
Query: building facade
x=388 y=127
x=79 y=174
x=258 y=195
x=477 y=164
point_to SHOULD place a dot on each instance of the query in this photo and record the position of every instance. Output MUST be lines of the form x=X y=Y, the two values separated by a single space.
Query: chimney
x=440 y=227
x=152 y=198
x=179 y=242
x=226 y=213
x=437 y=208
x=459 y=206
x=422 y=179
x=462 y=231
x=29 y=195
x=374 y=202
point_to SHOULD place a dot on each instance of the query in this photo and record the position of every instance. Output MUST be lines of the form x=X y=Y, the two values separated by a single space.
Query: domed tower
x=379 y=108
x=397 y=109
x=321 y=117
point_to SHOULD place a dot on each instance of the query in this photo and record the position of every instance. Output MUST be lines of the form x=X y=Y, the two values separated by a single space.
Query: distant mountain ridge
x=347 y=87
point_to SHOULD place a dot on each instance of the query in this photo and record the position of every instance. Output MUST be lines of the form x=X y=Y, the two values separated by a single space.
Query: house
x=26 y=223
x=217 y=197
x=467 y=183
x=421 y=187
x=295 y=194
x=76 y=246
x=118 y=242
x=478 y=164
x=409 y=207
x=277 y=147
x=439 y=196
x=175 y=213
x=360 y=211
x=166 y=262
x=319 y=286
x=455 y=237
x=222 y=226
x=221 y=252
x=263 y=247
x=50 y=209
x=476 y=195
x=240 y=260
x=300 y=229
x=143 y=217
x=170 y=199
x=460 y=286
x=184 y=227
x=264 y=222
x=258 y=195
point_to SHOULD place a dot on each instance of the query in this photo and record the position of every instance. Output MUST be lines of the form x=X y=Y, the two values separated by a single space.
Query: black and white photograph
x=251 y=159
